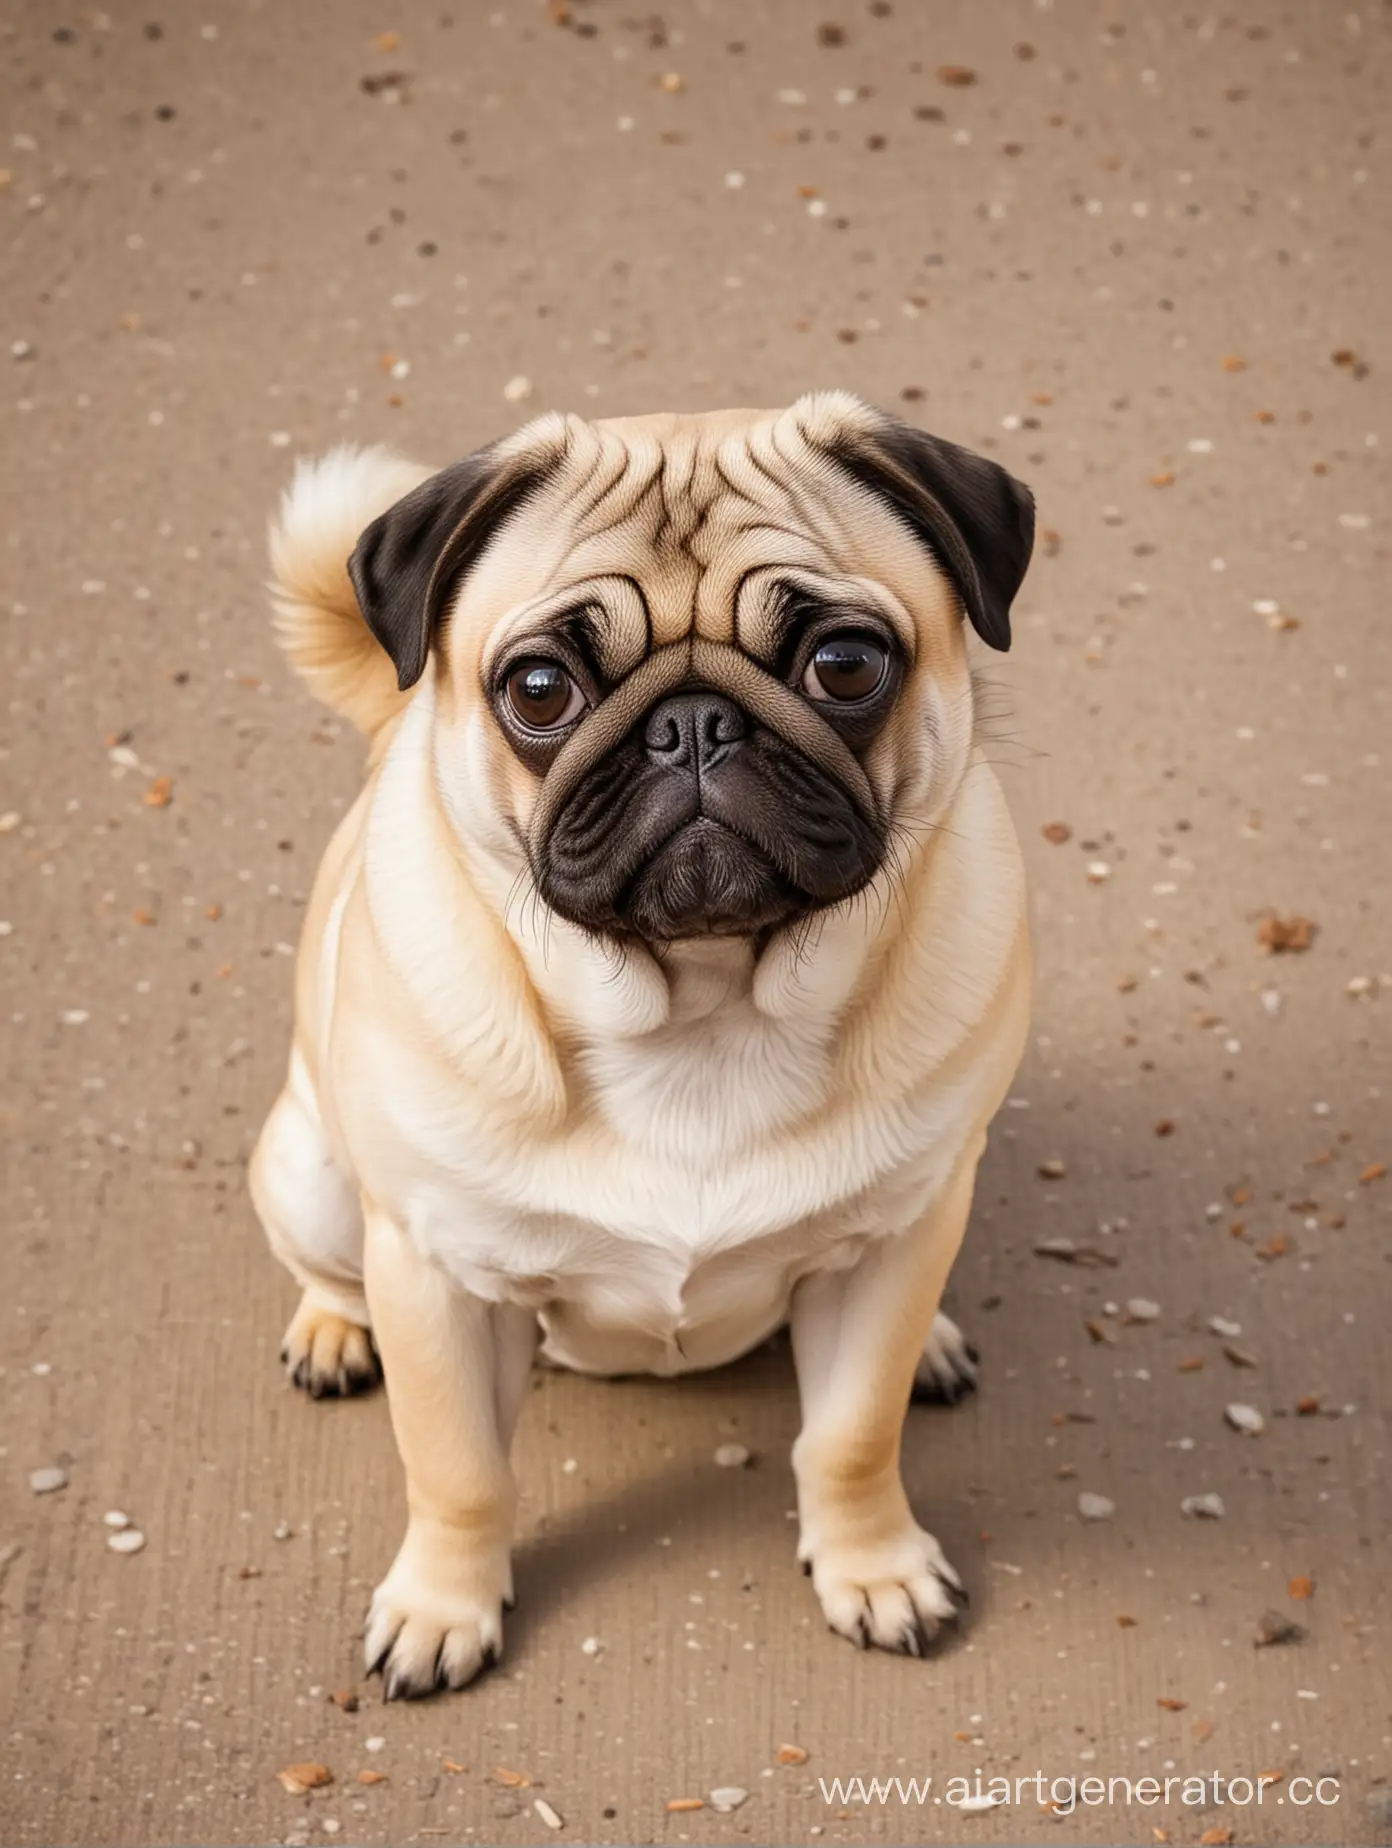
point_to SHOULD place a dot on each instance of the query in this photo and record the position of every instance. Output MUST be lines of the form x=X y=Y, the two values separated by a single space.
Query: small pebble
x=1095 y=1507
x=728 y=1797
x=1275 y=1627
x=281 y=1531
x=128 y=1540
x=1222 y=1326
x=45 y=1481
x=374 y=1744
x=517 y=389
x=547 y=1814
x=1207 y=1507
x=114 y=1518
x=590 y=1646
x=1141 y=1309
x=1245 y=1418
x=732 y=1456
x=1378 y=1804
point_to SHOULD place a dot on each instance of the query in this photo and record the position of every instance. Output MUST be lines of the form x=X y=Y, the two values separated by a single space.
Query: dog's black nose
x=697 y=730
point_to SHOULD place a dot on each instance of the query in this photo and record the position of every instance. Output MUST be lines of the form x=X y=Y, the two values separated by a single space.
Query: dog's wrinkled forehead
x=675 y=526
x=690 y=509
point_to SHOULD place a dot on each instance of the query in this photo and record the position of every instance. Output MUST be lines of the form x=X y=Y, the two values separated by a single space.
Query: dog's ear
x=977 y=520
x=407 y=563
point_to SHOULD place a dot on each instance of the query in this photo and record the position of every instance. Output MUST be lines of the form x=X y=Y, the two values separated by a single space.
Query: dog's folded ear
x=410 y=559
x=976 y=519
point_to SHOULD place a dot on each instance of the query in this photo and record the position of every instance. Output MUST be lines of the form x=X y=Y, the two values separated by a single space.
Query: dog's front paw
x=893 y=1594
x=436 y=1619
x=326 y=1354
x=946 y=1371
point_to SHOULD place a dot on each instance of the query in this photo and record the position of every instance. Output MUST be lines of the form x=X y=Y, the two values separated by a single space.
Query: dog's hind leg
x=313 y=1219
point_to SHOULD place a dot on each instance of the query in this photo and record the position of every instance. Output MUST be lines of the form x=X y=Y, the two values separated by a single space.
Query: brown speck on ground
x=196 y=297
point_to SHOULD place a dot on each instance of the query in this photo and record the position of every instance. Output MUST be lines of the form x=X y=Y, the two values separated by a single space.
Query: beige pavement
x=1143 y=259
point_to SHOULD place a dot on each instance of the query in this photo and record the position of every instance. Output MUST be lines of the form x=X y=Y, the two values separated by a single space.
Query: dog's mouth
x=706 y=881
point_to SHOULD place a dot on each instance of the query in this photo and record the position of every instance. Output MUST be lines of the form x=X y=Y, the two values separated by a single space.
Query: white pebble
x=734 y=181
x=1222 y=1326
x=728 y=1797
x=281 y=1531
x=374 y=1744
x=1142 y=1309
x=280 y=439
x=590 y=1646
x=547 y=1814
x=1271 y=1001
x=518 y=388
x=974 y=1806
x=1245 y=1418
x=1095 y=1507
x=1207 y=1507
x=732 y=1456
x=129 y=1540
x=46 y=1481
x=114 y=1518
x=1098 y=871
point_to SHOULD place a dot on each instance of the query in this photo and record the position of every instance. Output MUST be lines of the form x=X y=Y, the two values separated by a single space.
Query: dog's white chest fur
x=712 y=1169
x=701 y=1264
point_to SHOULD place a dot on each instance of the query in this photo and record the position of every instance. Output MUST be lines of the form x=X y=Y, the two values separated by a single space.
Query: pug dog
x=661 y=983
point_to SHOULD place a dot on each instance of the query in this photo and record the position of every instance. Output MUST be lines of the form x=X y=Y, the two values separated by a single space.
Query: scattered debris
x=1301 y=1588
x=1207 y=1507
x=297 y=1779
x=1280 y=936
x=1068 y=1251
x=1245 y=1418
x=792 y=1755
x=1057 y=832
x=372 y=1777
x=1273 y=1627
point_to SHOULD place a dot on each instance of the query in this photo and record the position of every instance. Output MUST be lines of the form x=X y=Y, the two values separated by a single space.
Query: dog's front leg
x=456 y=1368
x=857 y=1338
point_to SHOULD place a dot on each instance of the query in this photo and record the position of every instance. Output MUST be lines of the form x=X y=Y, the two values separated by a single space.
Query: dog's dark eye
x=543 y=695
x=845 y=667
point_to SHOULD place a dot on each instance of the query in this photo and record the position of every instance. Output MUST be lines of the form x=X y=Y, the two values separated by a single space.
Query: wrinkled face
x=698 y=670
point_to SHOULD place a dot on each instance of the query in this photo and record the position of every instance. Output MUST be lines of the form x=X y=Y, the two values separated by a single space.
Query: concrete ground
x=1136 y=253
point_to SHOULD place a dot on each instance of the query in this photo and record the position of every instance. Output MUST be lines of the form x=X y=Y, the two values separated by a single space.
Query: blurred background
x=1139 y=254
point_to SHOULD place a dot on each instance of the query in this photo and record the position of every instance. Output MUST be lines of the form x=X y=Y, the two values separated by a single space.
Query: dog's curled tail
x=320 y=626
